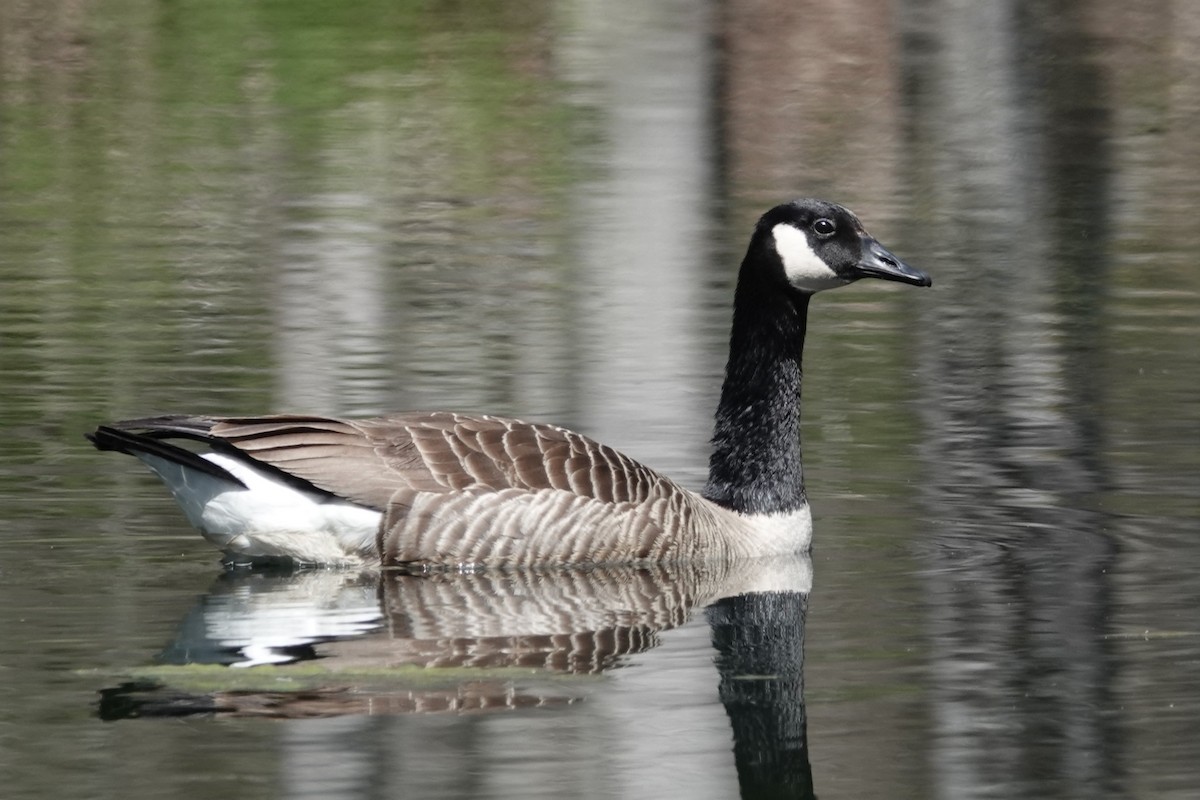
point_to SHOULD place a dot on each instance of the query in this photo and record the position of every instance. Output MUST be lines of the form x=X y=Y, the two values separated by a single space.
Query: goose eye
x=824 y=227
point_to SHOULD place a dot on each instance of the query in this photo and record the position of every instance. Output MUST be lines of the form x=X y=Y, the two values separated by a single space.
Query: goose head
x=819 y=245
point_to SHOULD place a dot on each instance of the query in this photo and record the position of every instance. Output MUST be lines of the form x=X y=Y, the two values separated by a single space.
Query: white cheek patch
x=804 y=269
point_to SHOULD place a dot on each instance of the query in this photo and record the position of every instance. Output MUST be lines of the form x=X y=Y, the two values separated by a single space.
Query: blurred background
x=537 y=208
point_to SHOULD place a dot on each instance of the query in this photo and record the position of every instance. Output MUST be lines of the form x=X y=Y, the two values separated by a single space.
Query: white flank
x=804 y=269
x=268 y=517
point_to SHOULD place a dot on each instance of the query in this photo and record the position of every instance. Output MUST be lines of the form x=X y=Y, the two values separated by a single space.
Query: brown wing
x=375 y=461
x=457 y=489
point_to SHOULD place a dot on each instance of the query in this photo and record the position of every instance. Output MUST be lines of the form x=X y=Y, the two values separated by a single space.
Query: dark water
x=537 y=209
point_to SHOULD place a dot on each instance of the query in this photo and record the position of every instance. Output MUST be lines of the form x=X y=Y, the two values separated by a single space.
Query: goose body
x=442 y=489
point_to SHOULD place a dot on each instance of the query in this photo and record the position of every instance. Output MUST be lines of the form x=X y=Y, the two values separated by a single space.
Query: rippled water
x=537 y=209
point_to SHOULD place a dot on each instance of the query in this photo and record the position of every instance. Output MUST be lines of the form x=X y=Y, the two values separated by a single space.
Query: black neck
x=755 y=467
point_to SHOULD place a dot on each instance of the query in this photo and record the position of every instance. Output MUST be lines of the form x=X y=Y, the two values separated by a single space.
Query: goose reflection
x=401 y=644
x=254 y=617
x=760 y=644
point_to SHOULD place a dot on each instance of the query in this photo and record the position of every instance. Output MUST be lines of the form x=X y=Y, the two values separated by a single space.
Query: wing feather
x=381 y=461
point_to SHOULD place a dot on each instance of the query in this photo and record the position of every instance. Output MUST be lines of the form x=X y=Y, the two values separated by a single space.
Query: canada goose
x=443 y=489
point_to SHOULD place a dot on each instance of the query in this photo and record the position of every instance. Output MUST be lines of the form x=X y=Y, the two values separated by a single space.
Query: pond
x=537 y=209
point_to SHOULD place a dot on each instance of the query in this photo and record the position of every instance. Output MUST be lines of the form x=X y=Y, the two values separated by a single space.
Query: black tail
x=120 y=438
